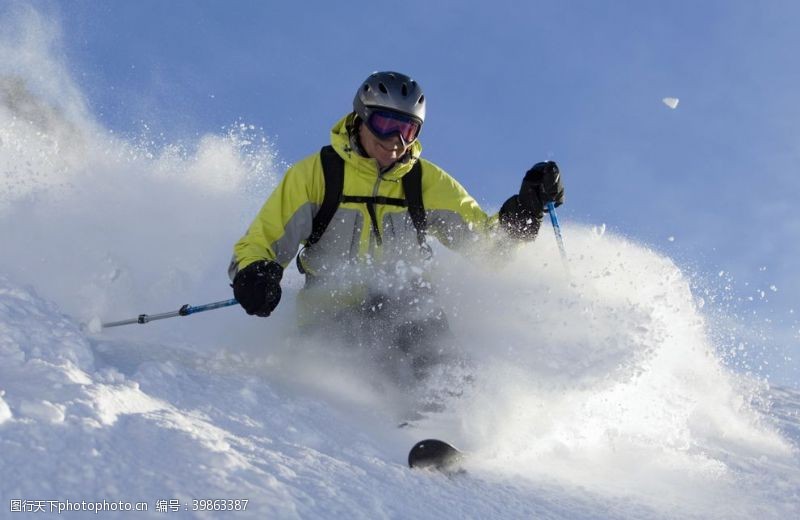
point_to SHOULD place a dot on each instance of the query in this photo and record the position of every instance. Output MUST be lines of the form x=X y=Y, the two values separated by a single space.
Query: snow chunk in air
x=5 y=411
x=671 y=102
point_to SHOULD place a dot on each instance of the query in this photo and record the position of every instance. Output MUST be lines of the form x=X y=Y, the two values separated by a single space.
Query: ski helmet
x=391 y=91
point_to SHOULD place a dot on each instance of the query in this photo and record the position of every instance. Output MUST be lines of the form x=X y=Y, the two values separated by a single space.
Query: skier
x=363 y=208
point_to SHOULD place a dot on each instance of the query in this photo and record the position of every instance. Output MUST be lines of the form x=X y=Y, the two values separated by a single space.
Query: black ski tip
x=434 y=454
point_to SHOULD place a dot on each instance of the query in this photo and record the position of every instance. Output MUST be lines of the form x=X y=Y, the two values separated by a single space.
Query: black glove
x=520 y=222
x=542 y=184
x=521 y=215
x=258 y=287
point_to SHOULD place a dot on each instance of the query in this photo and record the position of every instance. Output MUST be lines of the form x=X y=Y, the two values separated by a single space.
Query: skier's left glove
x=542 y=184
x=521 y=215
x=257 y=287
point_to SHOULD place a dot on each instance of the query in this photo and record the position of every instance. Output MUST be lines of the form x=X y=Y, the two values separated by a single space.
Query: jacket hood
x=341 y=142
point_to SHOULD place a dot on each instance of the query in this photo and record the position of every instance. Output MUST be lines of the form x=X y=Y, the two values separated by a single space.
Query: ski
x=435 y=454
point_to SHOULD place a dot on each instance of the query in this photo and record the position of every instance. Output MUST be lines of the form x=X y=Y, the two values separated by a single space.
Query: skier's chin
x=387 y=157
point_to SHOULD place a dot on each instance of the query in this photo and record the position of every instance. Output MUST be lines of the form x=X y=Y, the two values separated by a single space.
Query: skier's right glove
x=257 y=287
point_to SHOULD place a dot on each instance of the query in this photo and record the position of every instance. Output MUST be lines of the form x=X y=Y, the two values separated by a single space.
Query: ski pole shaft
x=183 y=311
x=551 y=209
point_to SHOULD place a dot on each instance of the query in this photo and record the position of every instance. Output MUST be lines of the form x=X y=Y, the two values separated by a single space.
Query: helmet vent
x=383 y=88
x=404 y=90
x=421 y=100
x=366 y=88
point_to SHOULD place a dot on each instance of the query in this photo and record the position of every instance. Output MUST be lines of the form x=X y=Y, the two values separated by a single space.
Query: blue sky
x=508 y=84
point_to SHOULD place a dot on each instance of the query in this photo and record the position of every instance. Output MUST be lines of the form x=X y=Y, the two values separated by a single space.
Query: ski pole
x=551 y=209
x=183 y=311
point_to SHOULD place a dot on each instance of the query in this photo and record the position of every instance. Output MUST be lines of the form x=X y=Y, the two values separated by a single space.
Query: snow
x=671 y=102
x=5 y=411
x=598 y=392
x=629 y=425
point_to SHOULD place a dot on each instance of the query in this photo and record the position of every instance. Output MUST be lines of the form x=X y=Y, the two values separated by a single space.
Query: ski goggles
x=385 y=124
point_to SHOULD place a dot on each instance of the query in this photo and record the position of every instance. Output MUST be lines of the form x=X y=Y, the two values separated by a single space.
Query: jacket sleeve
x=285 y=219
x=454 y=217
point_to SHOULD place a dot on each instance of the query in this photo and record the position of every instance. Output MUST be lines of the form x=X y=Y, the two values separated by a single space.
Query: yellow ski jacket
x=348 y=251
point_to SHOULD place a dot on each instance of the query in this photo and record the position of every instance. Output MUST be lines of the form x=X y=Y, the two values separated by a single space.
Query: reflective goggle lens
x=385 y=124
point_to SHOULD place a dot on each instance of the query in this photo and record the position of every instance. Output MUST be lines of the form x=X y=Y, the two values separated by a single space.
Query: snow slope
x=94 y=419
x=601 y=393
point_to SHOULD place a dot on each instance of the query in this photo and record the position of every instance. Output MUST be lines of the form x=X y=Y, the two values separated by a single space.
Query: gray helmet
x=392 y=91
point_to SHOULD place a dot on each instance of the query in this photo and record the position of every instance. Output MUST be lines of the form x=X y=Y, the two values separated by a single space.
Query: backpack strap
x=333 y=171
x=412 y=186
